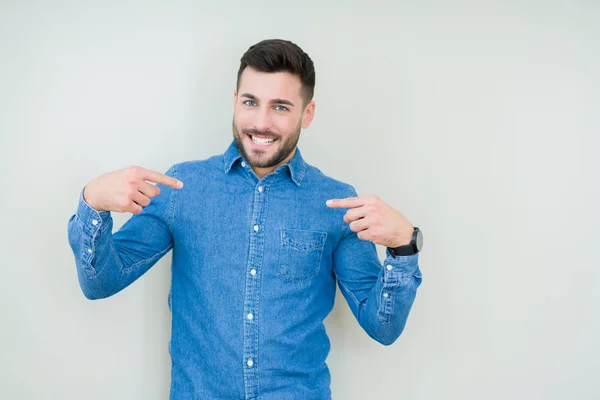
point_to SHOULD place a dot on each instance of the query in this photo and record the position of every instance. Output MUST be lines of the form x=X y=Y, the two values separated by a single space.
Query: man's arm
x=380 y=296
x=107 y=263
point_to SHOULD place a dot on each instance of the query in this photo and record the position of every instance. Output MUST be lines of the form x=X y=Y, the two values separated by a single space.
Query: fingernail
x=329 y=202
x=180 y=184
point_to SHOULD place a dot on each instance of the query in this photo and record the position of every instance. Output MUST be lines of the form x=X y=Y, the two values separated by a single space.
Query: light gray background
x=477 y=120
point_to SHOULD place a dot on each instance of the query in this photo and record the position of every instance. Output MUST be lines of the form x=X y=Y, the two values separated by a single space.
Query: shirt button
x=250 y=362
x=385 y=295
x=243 y=164
x=90 y=251
x=94 y=222
x=260 y=189
x=250 y=316
x=256 y=228
x=389 y=267
x=253 y=272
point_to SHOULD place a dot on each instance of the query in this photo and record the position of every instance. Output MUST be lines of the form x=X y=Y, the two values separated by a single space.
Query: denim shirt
x=253 y=275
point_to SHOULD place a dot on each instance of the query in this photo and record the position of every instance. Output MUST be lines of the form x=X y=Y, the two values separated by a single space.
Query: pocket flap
x=303 y=240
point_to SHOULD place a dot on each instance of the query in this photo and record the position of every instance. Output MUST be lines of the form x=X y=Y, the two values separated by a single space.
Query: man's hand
x=126 y=190
x=375 y=221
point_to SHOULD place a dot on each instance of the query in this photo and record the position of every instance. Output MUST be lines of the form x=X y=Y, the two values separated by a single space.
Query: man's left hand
x=375 y=221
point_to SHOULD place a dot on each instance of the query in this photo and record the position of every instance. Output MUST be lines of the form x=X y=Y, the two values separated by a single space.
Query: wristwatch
x=415 y=246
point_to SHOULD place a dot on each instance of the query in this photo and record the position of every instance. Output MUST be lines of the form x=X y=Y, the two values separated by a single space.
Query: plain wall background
x=479 y=121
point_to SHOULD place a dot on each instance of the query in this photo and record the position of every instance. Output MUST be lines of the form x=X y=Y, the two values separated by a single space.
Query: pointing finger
x=158 y=177
x=349 y=202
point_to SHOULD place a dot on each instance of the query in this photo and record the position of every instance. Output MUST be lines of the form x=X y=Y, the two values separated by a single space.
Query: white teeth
x=261 y=141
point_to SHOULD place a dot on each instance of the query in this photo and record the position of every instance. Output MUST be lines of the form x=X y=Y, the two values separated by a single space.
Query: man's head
x=272 y=102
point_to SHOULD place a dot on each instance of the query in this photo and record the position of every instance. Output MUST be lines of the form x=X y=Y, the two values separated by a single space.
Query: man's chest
x=286 y=235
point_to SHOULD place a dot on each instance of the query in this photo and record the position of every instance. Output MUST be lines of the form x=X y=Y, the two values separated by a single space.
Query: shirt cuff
x=403 y=264
x=91 y=218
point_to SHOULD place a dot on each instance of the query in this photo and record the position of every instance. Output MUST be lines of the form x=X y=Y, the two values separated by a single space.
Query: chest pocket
x=300 y=253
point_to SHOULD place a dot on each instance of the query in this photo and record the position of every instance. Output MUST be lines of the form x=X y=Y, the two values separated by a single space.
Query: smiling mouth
x=261 y=140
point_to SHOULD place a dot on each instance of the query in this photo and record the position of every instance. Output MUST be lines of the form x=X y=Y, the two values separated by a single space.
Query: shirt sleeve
x=108 y=262
x=380 y=295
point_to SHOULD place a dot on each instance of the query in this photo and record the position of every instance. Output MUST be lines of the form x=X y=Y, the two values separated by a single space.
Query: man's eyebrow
x=282 y=101
x=274 y=101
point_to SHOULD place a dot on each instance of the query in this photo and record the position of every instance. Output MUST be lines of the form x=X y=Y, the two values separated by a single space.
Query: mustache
x=268 y=134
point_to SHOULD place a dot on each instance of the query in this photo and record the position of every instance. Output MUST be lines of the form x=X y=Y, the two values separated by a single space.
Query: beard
x=259 y=159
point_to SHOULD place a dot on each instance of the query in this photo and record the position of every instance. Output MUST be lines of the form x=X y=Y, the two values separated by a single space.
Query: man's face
x=268 y=116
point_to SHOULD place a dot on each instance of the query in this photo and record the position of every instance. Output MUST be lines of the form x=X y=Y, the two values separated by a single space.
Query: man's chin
x=260 y=155
x=259 y=162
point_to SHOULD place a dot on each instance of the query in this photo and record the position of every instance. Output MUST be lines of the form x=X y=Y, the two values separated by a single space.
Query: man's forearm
x=97 y=263
x=383 y=314
x=106 y=262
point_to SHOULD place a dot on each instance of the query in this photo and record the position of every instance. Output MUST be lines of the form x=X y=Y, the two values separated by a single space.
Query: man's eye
x=249 y=101
x=281 y=108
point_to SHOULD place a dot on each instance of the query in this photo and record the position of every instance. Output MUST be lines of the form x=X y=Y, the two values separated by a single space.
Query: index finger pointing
x=349 y=202
x=158 y=177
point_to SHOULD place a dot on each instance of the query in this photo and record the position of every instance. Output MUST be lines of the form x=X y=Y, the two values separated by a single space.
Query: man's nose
x=262 y=121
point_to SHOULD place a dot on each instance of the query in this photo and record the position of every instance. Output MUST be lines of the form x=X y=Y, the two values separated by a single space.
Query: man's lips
x=258 y=146
x=261 y=136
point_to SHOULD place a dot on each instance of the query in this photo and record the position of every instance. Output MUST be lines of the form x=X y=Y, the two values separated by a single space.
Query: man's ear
x=234 y=98
x=308 y=115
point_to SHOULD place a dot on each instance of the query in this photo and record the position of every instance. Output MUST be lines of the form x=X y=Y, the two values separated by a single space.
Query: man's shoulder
x=314 y=176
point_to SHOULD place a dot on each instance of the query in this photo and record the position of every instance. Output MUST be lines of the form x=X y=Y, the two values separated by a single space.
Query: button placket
x=386 y=306
x=252 y=291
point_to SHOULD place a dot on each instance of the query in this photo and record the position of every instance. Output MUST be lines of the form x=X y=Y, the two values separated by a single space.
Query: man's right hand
x=126 y=190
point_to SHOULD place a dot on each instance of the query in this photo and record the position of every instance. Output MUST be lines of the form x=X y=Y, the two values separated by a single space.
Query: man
x=259 y=239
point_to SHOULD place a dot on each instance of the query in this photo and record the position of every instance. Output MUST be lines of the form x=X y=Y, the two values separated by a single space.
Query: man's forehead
x=270 y=85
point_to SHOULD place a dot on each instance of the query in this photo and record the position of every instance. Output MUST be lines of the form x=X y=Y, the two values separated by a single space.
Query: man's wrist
x=90 y=202
x=403 y=241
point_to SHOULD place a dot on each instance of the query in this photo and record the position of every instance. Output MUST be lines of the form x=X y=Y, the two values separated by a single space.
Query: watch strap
x=408 y=249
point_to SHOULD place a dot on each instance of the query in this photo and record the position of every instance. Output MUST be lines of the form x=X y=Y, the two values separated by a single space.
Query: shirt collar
x=296 y=165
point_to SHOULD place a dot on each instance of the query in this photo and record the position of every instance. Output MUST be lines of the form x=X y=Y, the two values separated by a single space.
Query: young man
x=259 y=239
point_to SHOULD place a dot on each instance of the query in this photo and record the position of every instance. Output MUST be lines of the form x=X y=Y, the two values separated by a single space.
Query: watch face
x=419 y=240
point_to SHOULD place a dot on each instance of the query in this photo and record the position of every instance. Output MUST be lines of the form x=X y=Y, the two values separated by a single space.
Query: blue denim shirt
x=254 y=269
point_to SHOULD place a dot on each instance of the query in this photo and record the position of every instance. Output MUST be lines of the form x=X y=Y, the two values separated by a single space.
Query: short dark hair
x=277 y=55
